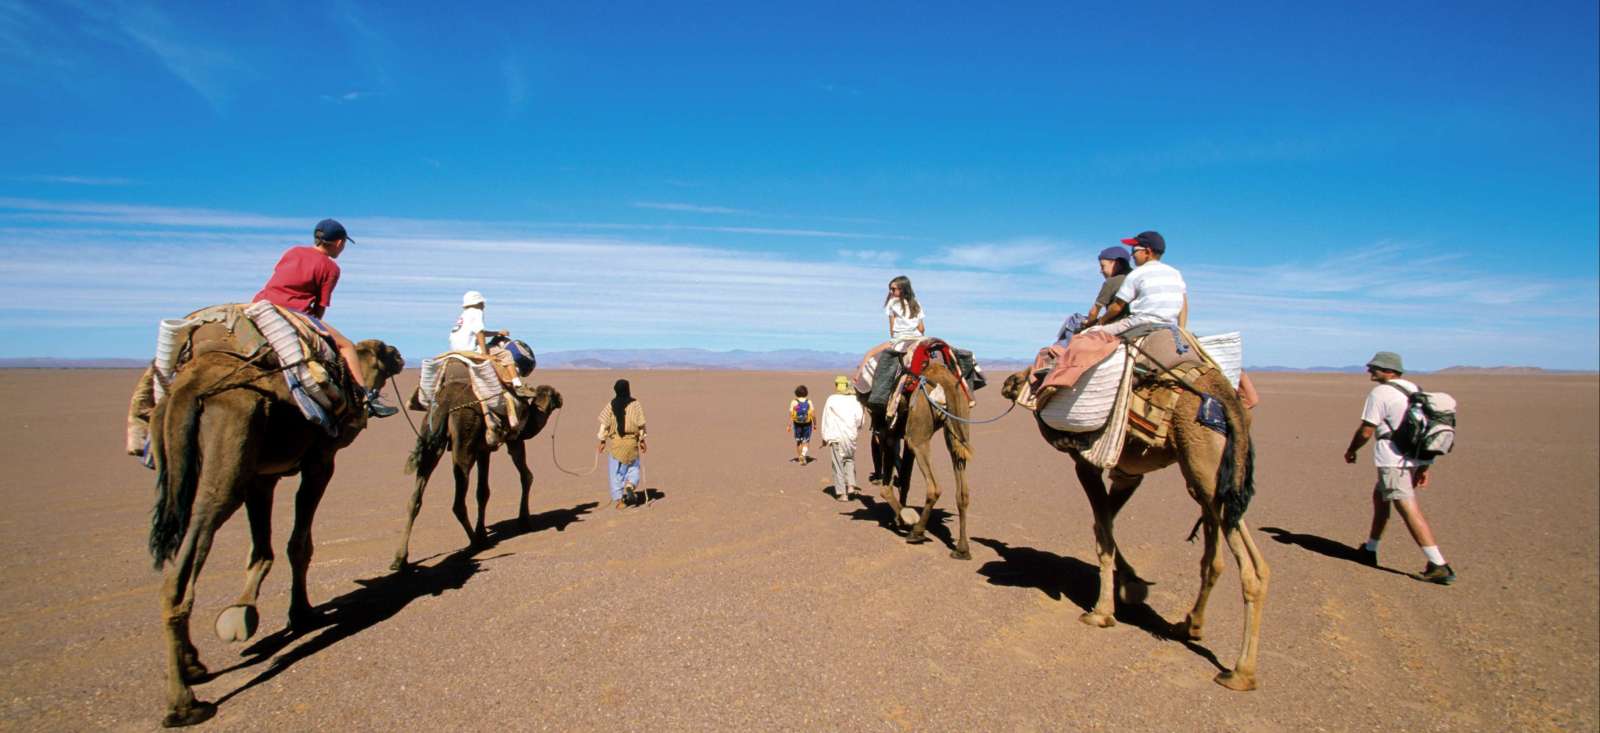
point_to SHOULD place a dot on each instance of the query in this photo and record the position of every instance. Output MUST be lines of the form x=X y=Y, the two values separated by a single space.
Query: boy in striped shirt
x=1153 y=293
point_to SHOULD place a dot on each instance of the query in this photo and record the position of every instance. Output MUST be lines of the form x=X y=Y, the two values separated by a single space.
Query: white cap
x=472 y=297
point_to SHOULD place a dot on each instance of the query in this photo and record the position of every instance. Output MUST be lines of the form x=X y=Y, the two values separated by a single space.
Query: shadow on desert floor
x=1322 y=546
x=871 y=509
x=379 y=599
x=1077 y=581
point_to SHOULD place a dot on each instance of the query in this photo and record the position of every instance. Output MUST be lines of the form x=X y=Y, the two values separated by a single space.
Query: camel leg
x=886 y=450
x=902 y=472
x=519 y=458
x=177 y=602
x=480 y=536
x=1104 y=612
x=459 y=506
x=1210 y=570
x=425 y=465
x=962 y=552
x=1253 y=577
x=315 y=473
x=918 y=531
x=239 y=621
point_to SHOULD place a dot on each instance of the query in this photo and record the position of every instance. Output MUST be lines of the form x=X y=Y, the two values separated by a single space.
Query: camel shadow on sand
x=1322 y=546
x=872 y=509
x=1077 y=581
x=379 y=599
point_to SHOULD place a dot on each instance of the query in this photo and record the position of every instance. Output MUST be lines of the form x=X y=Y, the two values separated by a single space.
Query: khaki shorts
x=1394 y=484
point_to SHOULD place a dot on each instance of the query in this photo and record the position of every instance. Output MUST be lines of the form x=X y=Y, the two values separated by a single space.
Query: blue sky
x=1332 y=181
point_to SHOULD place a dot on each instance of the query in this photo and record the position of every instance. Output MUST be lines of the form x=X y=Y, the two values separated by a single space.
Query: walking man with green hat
x=1398 y=475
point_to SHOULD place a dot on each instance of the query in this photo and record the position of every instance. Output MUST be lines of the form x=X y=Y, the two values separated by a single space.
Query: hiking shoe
x=1441 y=574
x=376 y=408
x=1367 y=557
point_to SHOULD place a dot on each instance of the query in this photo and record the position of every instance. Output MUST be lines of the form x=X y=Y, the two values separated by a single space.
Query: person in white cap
x=469 y=334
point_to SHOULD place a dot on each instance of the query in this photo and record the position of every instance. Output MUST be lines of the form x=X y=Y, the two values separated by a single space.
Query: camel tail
x=1236 y=475
x=174 y=445
x=434 y=439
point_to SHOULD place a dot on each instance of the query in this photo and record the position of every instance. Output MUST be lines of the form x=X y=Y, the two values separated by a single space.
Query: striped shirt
x=1154 y=292
x=624 y=448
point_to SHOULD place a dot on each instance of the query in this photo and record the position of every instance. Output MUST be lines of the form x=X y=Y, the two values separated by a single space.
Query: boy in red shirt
x=303 y=281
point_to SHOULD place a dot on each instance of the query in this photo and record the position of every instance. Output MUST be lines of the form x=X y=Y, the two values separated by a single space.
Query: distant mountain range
x=798 y=360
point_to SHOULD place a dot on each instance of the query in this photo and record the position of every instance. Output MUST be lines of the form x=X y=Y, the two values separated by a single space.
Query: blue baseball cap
x=1152 y=241
x=331 y=229
x=1114 y=253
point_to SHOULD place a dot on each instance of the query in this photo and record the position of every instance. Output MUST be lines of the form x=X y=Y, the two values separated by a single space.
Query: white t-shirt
x=464 y=337
x=1154 y=293
x=841 y=419
x=903 y=326
x=1385 y=408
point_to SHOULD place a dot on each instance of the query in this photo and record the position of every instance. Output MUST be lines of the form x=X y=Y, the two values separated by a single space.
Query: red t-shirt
x=303 y=281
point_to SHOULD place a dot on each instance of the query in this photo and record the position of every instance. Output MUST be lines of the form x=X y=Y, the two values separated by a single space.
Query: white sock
x=1432 y=551
x=1371 y=546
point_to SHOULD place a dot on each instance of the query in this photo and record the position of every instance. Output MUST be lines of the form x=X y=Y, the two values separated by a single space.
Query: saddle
x=499 y=401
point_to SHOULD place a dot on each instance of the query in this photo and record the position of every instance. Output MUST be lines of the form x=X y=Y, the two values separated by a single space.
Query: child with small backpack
x=802 y=418
x=1412 y=427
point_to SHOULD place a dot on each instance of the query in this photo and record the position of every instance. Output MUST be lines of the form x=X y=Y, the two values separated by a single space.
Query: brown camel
x=227 y=430
x=456 y=422
x=915 y=424
x=1218 y=471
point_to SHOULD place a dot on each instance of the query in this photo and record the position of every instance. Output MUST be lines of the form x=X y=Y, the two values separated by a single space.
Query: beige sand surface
x=746 y=598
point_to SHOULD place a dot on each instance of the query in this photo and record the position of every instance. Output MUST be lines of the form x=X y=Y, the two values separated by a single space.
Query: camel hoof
x=1235 y=682
x=961 y=554
x=398 y=566
x=916 y=538
x=237 y=623
x=197 y=712
x=1102 y=620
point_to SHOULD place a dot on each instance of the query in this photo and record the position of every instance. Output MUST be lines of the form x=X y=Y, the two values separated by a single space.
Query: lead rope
x=401 y=403
x=922 y=384
x=555 y=428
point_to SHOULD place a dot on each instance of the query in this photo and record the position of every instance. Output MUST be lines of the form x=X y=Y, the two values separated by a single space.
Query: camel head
x=1013 y=385
x=380 y=361
x=546 y=399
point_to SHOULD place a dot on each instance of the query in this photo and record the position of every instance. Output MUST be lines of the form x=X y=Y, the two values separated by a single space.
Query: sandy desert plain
x=746 y=598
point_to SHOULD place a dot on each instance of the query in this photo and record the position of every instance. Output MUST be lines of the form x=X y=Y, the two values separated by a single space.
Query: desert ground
x=746 y=598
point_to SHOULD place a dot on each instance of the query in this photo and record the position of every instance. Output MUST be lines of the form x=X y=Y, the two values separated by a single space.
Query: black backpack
x=1428 y=428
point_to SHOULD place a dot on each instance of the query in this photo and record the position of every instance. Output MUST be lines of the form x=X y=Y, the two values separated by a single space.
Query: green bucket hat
x=1387 y=360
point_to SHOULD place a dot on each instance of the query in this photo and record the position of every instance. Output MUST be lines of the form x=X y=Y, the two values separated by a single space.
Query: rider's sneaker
x=376 y=408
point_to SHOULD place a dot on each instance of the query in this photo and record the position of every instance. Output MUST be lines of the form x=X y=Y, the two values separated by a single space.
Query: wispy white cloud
x=186 y=53
x=77 y=180
x=688 y=208
x=1012 y=254
x=364 y=42
x=117 y=267
x=882 y=257
x=353 y=95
